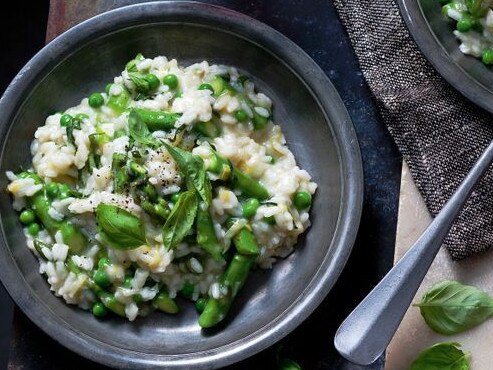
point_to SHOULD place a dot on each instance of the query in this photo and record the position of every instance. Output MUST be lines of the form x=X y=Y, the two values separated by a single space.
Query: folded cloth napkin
x=438 y=131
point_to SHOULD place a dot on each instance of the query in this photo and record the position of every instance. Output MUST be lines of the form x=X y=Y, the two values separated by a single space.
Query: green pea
x=99 y=310
x=187 y=290
x=33 y=229
x=63 y=190
x=127 y=283
x=105 y=261
x=487 y=56
x=465 y=24
x=107 y=88
x=241 y=115
x=102 y=279
x=137 y=298
x=27 y=216
x=200 y=304
x=271 y=220
x=171 y=80
x=65 y=120
x=259 y=122
x=152 y=80
x=174 y=197
x=250 y=207
x=302 y=199
x=96 y=100
x=51 y=189
x=206 y=87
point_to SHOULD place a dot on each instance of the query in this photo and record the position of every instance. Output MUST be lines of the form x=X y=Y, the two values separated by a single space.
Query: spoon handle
x=367 y=331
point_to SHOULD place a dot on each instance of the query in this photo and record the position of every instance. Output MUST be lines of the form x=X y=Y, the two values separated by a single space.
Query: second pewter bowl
x=319 y=133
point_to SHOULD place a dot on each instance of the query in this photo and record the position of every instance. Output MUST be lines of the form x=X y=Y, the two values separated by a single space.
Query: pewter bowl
x=317 y=128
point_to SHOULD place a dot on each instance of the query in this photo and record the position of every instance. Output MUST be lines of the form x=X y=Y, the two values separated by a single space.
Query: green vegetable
x=302 y=199
x=193 y=170
x=164 y=303
x=241 y=115
x=206 y=235
x=101 y=278
x=208 y=129
x=287 y=364
x=33 y=229
x=249 y=208
x=132 y=65
x=107 y=88
x=171 y=80
x=109 y=300
x=139 y=131
x=487 y=56
x=259 y=122
x=465 y=24
x=99 y=310
x=157 y=120
x=52 y=190
x=27 y=216
x=477 y=8
x=96 y=100
x=187 y=290
x=246 y=243
x=218 y=85
x=118 y=103
x=152 y=81
x=442 y=356
x=120 y=173
x=72 y=236
x=140 y=82
x=450 y=307
x=39 y=245
x=175 y=197
x=65 y=120
x=206 y=87
x=233 y=279
x=271 y=220
x=181 y=219
x=200 y=304
x=119 y=228
x=248 y=185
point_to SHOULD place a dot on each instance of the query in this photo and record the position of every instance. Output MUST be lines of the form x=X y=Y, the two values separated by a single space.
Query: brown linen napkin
x=438 y=131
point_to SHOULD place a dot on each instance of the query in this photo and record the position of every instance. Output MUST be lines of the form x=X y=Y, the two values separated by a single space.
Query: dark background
x=314 y=26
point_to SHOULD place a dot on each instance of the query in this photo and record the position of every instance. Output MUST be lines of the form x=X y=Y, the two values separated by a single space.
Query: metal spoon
x=367 y=331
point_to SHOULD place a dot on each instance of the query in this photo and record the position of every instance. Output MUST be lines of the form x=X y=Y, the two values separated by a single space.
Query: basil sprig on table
x=450 y=307
x=139 y=131
x=442 y=356
x=119 y=228
x=181 y=219
x=193 y=169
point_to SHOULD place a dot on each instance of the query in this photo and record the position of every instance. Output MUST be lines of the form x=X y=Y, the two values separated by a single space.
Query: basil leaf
x=181 y=219
x=442 y=356
x=141 y=84
x=132 y=65
x=119 y=228
x=139 y=131
x=193 y=170
x=450 y=307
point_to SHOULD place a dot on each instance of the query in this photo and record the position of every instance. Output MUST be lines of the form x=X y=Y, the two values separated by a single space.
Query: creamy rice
x=137 y=274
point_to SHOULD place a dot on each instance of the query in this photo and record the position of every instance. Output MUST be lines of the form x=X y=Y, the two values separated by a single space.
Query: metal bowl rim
x=437 y=55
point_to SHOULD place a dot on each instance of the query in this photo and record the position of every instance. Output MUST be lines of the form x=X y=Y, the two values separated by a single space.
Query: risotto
x=174 y=181
x=474 y=27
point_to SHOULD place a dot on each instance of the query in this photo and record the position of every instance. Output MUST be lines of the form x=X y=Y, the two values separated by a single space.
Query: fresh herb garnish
x=139 y=131
x=442 y=356
x=450 y=307
x=119 y=228
x=181 y=219
x=193 y=170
